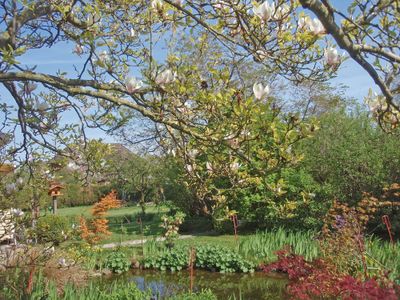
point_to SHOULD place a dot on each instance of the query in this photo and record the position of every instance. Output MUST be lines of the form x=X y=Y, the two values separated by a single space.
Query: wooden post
x=54 y=205
x=192 y=258
x=386 y=221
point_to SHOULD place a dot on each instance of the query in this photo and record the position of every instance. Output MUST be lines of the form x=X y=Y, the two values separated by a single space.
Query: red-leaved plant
x=320 y=280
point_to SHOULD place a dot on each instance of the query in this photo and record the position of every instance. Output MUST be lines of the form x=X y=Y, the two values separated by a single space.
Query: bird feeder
x=54 y=192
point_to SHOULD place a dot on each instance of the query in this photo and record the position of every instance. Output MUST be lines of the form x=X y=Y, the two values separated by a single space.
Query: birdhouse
x=55 y=189
x=6 y=168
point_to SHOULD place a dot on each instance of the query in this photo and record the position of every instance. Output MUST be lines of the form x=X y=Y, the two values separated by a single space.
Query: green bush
x=117 y=262
x=196 y=224
x=222 y=260
x=207 y=257
x=52 y=229
x=173 y=260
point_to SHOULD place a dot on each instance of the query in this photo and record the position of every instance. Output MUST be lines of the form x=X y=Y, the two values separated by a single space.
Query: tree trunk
x=142 y=202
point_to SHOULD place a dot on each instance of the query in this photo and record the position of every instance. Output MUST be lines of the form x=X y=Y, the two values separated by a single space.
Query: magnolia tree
x=124 y=74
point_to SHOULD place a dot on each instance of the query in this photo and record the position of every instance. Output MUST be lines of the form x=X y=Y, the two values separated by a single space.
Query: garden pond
x=164 y=284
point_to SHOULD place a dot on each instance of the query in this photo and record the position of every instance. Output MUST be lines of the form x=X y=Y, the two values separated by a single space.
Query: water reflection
x=242 y=286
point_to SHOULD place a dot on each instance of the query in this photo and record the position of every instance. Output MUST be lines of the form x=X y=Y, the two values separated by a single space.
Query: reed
x=261 y=247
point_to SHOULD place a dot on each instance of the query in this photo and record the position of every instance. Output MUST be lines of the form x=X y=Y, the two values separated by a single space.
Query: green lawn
x=129 y=210
x=123 y=221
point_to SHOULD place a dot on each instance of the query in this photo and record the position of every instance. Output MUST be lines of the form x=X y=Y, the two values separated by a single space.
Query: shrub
x=221 y=259
x=52 y=229
x=172 y=260
x=117 y=262
x=207 y=257
x=320 y=280
x=97 y=228
x=171 y=226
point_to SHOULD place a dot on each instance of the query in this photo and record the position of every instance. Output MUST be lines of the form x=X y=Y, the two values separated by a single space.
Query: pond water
x=235 y=286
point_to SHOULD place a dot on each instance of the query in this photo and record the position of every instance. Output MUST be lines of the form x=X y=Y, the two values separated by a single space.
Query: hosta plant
x=117 y=262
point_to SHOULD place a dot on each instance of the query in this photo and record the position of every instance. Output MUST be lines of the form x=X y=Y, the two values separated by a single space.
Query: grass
x=127 y=210
x=123 y=221
x=262 y=245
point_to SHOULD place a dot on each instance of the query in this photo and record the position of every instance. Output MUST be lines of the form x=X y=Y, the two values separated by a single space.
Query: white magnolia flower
x=132 y=33
x=178 y=2
x=264 y=11
x=332 y=58
x=281 y=11
x=303 y=23
x=262 y=54
x=189 y=168
x=29 y=87
x=157 y=4
x=221 y=5
x=165 y=77
x=41 y=106
x=316 y=27
x=78 y=49
x=235 y=166
x=72 y=166
x=260 y=91
x=133 y=85
x=193 y=153
x=209 y=167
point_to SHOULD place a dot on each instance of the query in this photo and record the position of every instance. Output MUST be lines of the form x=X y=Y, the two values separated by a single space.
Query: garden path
x=138 y=242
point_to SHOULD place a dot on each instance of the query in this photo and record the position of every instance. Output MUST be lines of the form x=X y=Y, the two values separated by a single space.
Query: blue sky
x=60 y=57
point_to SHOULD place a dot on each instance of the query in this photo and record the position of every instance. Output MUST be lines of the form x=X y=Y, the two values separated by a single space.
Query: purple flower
x=340 y=222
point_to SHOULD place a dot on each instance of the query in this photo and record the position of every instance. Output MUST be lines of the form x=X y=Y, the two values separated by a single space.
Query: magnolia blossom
x=262 y=54
x=281 y=11
x=260 y=91
x=41 y=106
x=235 y=166
x=165 y=77
x=189 y=168
x=104 y=55
x=157 y=4
x=178 y=2
x=332 y=58
x=29 y=87
x=221 y=4
x=133 y=85
x=72 y=166
x=78 y=49
x=316 y=27
x=132 y=33
x=193 y=153
x=209 y=167
x=264 y=11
